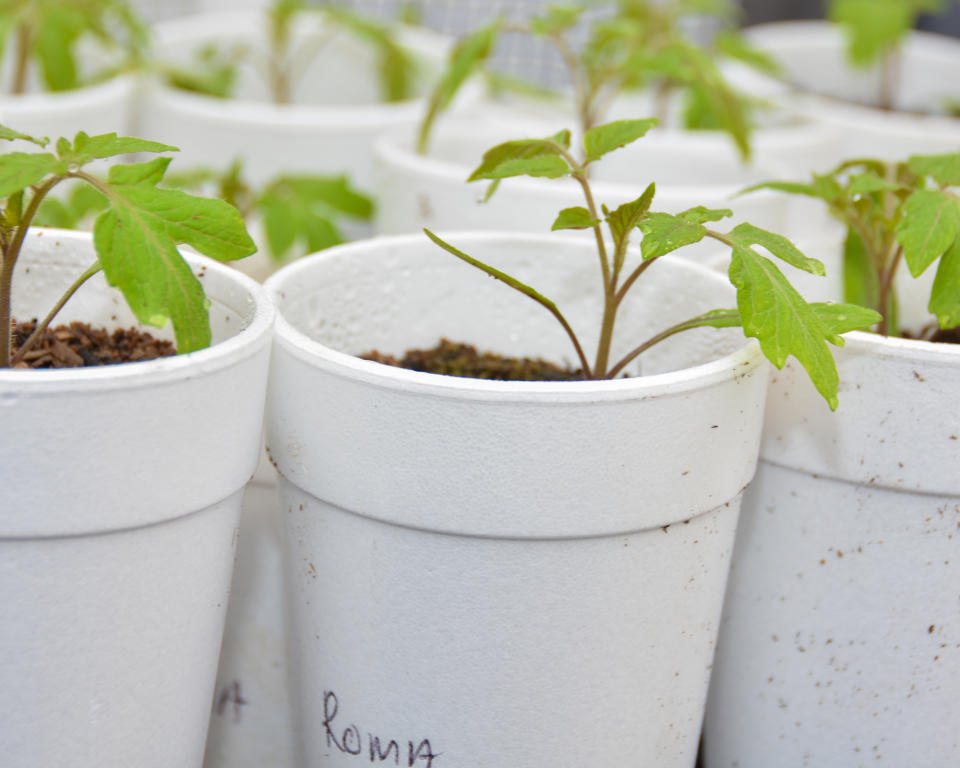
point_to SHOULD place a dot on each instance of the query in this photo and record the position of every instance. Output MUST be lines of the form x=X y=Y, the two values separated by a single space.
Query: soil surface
x=941 y=335
x=78 y=345
x=454 y=359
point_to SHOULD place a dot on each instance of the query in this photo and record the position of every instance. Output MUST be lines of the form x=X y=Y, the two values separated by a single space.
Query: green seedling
x=894 y=213
x=135 y=236
x=635 y=44
x=768 y=307
x=215 y=71
x=300 y=213
x=875 y=29
x=46 y=34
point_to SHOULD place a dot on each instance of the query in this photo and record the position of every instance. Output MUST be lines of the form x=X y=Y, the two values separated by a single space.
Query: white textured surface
x=522 y=573
x=840 y=646
x=122 y=489
x=813 y=56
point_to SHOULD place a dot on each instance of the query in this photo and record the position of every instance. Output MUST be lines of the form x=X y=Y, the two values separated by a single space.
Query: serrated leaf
x=21 y=169
x=945 y=294
x=929 y=223
x=747 y=235
x=867 y=183
x=627 y=216
x=605 y=138
x=140 y=259
x=86 y=148
x=11 y=135
x=665 y=232
x=777 y=316
x=944 y=169
x=150 y=172
x=525 y=157
x=837 y=319
x=574 y=218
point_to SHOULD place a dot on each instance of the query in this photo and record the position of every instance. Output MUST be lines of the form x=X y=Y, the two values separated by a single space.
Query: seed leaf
x=605 y=138
x=774 y=313
x=945 y=295
x=747 y=235
x=574 y=218
x=525 y=157
x=928 y=226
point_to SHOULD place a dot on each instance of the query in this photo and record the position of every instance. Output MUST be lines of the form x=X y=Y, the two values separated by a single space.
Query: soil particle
x=79 y=345
x=455 y=359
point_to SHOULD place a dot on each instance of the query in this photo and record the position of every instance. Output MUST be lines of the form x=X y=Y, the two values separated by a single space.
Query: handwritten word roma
x=350 y=741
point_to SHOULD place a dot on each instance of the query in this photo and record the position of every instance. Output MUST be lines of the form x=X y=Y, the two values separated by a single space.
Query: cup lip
x=396 y=150
x=116 y=88
x=219 y=356
x=248 y=21
x=739 y=363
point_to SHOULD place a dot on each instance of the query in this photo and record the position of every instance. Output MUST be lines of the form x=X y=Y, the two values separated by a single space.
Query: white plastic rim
x=406 y=262
x=297 y=137
x=477 y=568
x=814 y=56
x=221 y=417
x=840 y=622
x=432 y=191
x=103 y=108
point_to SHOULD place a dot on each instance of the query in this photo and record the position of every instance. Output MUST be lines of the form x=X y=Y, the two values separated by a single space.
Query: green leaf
x=945 y=295
x=747 y=235
x=736 y=46
x=280 y=223
x=717 y=318
x=837 y=319
x=665 y=232
x=332 y=191
x=525 y=157
x=493 y=272
x=774 y=313
x=605 y=138
x=86 y=148
x=10 y=135
x=872 y=27
x=54 y=39
x=861 y=284
x=557 y=18
x=823 y=188
x=21 y=169
x=627 y=216
x=928 y=225
x=150 y=172
x=136 y=242
x=701 y=215
x=574 y=218
x=944 y=169
x=869 y=182
x=466 y=57
x=140 y=259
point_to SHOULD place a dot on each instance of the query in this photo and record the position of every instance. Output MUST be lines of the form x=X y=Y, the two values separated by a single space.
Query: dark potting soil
x=79 y=345
x=454 y=359
x=941 y=335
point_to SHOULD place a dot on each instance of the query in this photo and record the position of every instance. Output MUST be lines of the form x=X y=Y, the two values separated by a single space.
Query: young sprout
x=768 y=307
x=135 y=236
x=894 y=213
x=638 y=44
x=45 y=33
x=874 y=30
x=286 y=60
